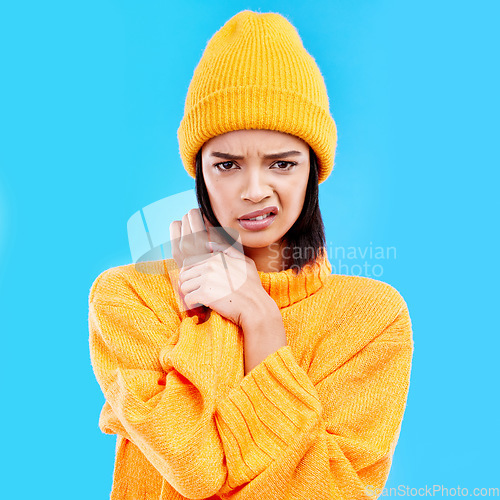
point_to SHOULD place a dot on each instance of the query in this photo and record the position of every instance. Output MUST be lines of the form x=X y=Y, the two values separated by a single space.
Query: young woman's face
x=240 y=180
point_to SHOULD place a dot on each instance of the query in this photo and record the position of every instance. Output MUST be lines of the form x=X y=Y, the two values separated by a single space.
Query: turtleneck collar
x=286 y=288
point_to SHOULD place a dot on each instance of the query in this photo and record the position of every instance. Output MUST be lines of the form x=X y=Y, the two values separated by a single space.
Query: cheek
x=220 y=199
x=294 y=195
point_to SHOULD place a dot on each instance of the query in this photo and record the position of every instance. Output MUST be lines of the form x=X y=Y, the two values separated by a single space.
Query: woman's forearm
x=264 y=333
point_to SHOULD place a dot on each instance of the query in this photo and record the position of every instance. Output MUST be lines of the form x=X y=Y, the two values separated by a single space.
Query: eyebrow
x=272 y=156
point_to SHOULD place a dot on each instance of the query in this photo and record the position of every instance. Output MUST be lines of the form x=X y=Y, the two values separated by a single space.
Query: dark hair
x=305 y=240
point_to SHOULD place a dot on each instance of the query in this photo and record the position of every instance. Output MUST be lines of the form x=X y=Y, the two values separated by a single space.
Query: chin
x=256 y=245
x=259 y=241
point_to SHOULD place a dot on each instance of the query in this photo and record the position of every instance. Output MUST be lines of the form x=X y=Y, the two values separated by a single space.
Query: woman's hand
x=188 y=238
x=224 y=279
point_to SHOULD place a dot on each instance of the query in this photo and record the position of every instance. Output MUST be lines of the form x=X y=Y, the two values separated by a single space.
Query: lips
x=264 y=211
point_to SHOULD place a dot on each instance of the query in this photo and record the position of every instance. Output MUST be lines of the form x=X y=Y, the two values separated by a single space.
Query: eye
x=285 y=165
x=288 y=165
x=219 y=166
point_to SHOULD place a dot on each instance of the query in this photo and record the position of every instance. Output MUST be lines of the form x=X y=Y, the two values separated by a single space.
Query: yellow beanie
x=256 y=74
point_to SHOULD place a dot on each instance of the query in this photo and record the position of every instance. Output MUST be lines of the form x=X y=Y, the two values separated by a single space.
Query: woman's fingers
x=193 y=235
x=186 y=227
x=189 y=271
x=191 y=238
x=189 y=282
x=175 y=235
x=175 y=230
x=193 y=308
x=219 y=234
x=200 y=232
x=196 y=221
x=190 y=285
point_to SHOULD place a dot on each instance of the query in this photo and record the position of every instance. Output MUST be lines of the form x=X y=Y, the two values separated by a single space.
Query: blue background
x=92 y=94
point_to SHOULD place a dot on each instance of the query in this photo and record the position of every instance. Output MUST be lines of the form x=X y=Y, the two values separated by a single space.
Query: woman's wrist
x=263 y=333
x=259 y=312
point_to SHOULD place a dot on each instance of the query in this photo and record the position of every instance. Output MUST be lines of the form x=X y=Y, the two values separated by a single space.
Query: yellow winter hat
x=256 y=74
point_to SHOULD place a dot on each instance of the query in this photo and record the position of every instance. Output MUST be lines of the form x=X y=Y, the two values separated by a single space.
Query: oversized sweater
x=317 y=419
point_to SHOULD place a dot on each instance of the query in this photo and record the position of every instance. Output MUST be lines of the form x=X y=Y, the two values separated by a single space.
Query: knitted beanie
x=256 y=74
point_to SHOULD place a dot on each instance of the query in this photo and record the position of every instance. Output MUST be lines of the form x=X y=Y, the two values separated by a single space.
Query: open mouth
x=263 y=215
x=260 y=217
x=258 y=223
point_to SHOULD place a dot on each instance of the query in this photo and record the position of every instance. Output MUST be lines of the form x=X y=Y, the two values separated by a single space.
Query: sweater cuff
x=271 y=408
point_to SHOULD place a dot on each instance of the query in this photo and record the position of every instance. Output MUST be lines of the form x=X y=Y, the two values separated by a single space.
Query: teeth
x=260 y=217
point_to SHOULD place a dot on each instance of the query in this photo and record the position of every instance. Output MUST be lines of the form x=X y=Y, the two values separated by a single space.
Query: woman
x=294 y=383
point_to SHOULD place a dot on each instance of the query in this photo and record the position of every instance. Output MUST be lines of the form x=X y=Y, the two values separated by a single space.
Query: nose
x=256 y=186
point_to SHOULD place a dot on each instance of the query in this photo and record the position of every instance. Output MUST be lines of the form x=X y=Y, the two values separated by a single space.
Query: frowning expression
x=250 y=170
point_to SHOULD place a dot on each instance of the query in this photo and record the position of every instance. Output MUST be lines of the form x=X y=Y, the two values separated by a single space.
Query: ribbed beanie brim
x=256 y=74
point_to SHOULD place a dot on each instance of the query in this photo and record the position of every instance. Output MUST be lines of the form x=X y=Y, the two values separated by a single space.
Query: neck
x=267 y=259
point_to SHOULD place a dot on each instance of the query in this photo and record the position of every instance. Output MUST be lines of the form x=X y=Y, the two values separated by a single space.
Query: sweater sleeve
x=162 y=378
x=331 y=439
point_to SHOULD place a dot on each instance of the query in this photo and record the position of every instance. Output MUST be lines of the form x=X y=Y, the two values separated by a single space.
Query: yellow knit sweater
x=318 y=419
